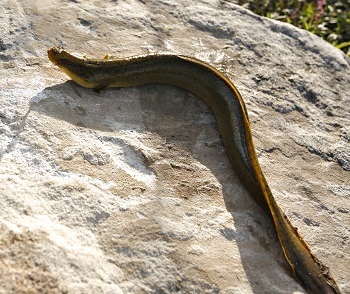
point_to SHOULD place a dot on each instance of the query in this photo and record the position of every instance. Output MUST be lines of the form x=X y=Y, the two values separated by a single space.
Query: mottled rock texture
x=130 y=190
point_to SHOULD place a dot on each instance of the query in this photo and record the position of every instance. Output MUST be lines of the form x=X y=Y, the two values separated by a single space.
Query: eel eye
x=54 y=55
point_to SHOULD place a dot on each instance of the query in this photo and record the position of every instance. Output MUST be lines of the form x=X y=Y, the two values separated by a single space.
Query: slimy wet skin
x=228 y=106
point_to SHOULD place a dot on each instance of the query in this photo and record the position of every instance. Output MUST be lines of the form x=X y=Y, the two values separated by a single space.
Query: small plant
x=329 y=19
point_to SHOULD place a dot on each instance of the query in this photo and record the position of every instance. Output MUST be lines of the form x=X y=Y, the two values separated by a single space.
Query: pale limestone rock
x=130 y=190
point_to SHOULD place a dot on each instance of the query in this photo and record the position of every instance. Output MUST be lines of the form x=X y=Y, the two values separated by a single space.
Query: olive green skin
x=228 y=106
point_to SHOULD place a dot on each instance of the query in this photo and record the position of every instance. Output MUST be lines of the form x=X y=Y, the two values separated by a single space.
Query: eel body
x=228 y=106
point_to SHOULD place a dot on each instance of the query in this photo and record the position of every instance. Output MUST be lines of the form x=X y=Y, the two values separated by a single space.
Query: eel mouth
x=72 y=66
x=53 y=54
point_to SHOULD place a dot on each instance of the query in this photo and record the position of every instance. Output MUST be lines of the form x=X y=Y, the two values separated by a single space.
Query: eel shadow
x=115 y=110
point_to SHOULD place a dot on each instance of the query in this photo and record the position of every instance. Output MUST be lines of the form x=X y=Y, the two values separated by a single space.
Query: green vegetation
x=329 y=19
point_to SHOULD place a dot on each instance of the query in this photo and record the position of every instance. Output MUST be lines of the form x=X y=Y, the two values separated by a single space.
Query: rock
x=130 y=190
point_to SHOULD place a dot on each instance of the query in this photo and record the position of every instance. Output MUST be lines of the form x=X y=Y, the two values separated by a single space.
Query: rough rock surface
x=130 y=190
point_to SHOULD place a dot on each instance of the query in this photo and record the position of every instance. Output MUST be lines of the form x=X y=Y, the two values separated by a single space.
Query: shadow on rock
x=178 y=119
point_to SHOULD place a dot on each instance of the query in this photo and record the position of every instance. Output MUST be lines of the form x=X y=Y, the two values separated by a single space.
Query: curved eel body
x=222 y=96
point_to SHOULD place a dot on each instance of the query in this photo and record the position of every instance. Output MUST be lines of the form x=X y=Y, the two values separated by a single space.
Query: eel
x=222 y=96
